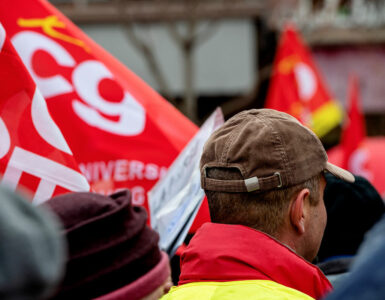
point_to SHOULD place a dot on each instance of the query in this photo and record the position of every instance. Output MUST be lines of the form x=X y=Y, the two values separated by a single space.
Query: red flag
x=296 y=86
x=122 y=133
x=354 y=128
x=33 y=153
x=367 y=160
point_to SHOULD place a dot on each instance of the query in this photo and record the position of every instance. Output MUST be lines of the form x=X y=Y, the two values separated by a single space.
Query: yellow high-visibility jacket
x=237 y=262
x=230 y=290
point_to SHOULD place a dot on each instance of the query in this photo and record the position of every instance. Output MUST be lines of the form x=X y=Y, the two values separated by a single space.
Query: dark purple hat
x=110 y=246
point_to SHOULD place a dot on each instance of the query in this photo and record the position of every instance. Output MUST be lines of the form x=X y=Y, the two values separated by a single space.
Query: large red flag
x=354 y=128
x=34 y=155
x=296 y=86
x=122 y=133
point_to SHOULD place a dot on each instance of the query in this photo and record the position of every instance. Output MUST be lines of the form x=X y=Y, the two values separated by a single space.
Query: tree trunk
x=190 y=99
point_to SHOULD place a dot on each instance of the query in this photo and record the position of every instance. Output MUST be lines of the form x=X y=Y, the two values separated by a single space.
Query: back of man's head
x=264 y=211
x=255 y=164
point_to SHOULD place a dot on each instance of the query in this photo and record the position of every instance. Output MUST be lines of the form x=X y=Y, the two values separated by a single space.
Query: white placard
x=176 y=198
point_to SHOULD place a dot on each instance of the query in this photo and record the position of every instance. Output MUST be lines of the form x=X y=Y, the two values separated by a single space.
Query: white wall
x=225 y=63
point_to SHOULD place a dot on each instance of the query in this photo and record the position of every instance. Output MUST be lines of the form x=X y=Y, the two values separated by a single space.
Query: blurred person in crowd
x=113 y=254
x=263 y=174
x=352 y=210
x=367 y=274
x=32 y=250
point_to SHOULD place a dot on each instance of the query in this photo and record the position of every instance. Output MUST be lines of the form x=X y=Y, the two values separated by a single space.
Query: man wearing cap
x=262 y=172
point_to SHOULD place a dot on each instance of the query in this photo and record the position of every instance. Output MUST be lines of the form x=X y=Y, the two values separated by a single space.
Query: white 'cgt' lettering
x=86 y=77
x=50 y=172
x=27 y=43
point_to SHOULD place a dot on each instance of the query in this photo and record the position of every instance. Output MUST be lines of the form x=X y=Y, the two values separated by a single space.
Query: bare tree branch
x=175 y=34
x=240 y=103
x=206 y=33
x=187 y=42
x=190 y=98
x=147 y=51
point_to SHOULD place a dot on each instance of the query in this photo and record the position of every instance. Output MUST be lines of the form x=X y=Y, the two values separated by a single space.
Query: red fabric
x=34 y=156
x=369 y=161
x=202 y=216
x=122 y=133
x=220 y=252
x=354 y=129
x=295 y=86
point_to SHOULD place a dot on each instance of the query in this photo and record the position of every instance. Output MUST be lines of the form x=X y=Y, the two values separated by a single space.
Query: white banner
x=175 y=200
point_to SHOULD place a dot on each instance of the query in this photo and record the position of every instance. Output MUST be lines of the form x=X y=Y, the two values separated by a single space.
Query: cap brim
x=339 y=172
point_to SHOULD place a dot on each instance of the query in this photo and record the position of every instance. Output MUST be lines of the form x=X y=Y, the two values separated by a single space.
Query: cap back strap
x=242 y=186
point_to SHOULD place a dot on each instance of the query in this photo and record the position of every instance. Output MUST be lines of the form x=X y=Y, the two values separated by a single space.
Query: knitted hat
x=112 y=252
x=352 y=208
x=32 y=252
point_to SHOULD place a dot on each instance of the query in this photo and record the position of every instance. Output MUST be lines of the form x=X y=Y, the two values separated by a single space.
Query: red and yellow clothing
x=237 y=262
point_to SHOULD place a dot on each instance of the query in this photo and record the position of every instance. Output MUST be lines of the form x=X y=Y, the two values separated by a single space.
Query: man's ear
x=297 y=212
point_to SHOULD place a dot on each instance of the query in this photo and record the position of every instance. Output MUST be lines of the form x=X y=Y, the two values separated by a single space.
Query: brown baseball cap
x=271 y=149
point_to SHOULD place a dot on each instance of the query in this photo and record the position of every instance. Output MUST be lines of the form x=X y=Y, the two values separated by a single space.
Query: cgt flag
x=296 y=86
x=34 y=155
x=357 y=153
x=122 y=133
x=353 y=133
